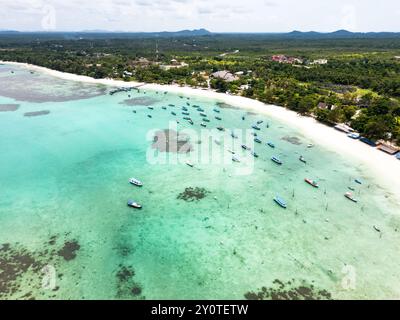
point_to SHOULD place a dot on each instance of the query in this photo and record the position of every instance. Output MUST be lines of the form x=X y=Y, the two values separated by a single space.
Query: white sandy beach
x=384 y=167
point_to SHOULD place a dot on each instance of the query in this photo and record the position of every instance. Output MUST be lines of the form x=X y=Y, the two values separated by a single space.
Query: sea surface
x=211 y=231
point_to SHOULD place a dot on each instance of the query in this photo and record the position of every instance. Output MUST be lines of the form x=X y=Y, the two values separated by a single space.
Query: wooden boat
x=256 y=128
x=173 y=113
x=134 y=204
x=149 y=116
x=150 y=108
x=218 y=118
x=135 y=182
x=350 y=196
x=302 y=159
x=244 y=147
x=221 y=129
x=312 y=183
x=257 y=140
x=216 y=110
x=280 y=201
x=235 y=159
x=358 y=181
x=255 y=155
x=277 y=160
x=188 y=163
x=206 y=120
x=203 y=125
x=271 y=144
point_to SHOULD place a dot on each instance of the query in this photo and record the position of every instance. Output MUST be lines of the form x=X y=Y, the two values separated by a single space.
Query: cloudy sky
x=215 y=15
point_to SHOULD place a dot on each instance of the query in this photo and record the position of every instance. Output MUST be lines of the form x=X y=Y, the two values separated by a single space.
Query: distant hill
x=339 y=34
x=96 y=34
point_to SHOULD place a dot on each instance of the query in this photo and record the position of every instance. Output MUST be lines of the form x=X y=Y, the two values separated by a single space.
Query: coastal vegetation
x=350 y=80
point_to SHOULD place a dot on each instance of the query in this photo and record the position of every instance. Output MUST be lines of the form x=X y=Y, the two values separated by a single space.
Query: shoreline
x=385 y=168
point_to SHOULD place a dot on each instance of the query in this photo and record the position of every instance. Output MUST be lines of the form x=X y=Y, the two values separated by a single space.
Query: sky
x=214 y=15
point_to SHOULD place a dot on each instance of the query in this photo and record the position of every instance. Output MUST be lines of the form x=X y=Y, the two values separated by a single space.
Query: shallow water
x=64 y=187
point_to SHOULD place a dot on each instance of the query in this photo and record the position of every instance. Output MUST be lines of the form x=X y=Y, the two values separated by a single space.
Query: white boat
x=135 y=182
x=134 y=204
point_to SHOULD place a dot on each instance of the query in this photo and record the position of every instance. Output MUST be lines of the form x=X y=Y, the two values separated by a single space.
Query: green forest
x=356 y=81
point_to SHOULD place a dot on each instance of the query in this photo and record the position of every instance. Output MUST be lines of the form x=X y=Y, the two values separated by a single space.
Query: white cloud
x=216 y=15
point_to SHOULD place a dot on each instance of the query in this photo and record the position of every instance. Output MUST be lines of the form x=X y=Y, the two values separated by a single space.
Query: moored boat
x=350 y=196
x=257 y=140
x=134 y=204
x=280 y=201
x=256 y=128
x=218 y=118
x=312 y=183
x=302 y=159
x=173 y=113
x=235 y=159
x=358 y=181
x=277 y=160
x=221 y=128
x=136 y=182
x=206 y=120
x=244 y=147
x=255 y=155
x=203 y=125
x=270 y=144
x=216 y=110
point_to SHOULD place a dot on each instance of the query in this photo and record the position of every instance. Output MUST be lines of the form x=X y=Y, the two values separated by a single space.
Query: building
x=174 y=64
x=224 y=75
x=320 y=61
x=284 y=59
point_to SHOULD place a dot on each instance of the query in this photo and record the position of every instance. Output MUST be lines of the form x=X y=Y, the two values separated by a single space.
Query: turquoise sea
x=212 y=231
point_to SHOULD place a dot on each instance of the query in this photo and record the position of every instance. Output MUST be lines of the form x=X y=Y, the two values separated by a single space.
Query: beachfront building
x=224 y=75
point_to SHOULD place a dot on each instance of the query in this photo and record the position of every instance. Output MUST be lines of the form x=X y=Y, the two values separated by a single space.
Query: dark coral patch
x=193 y=194
x=289 y=291
x=68 y=252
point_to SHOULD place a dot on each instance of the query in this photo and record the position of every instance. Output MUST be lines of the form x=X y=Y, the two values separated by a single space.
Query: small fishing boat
x=255 y=155
x=136 y=182
x=206 y=120
x=203 y=125
x=302 y=159
x=257 y=140
x=310 y=145
x=256 y=127
x=184 y=109
x=188 y=163
x=277 y=160
x=217 y=142
x=149 y=116
x=134 y=111
x=244 y=147
x=270 y=144
x=200 y=110
x=260 y=122
x=134 y=204
x=234 y=136
x=358 y=181
x=352 y=188
x=203 y=114
x=150 y=108
x=187 y=103
x=173 y=113
x=230 y=151
x=164 y=108
x=280 y=201
x=218 y=118
x=243 y=118
x=235 y=159
x=187 y=118
x=221 y=128
x=216 y=110
x=350 y=196
x=254 y=134
x=171 y=105
x=185 y=113
x=312 y=183
x=191 y=122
